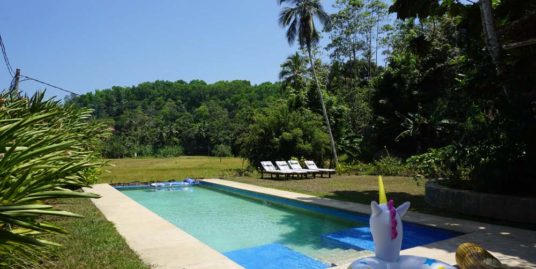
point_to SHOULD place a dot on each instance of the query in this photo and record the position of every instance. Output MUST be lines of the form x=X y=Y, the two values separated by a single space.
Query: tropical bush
x=279 y=133
x=222 y=150
x=445 y=162
x=169 y=151
x=389 y=166
x=47 y=151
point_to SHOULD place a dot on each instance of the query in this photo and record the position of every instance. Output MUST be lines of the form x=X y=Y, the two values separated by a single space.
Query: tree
x=357 y=29
x=170 y=118
x=221 y=151
x=293 y=72
x=300 y=20
x=279 y=133
x=425 y=8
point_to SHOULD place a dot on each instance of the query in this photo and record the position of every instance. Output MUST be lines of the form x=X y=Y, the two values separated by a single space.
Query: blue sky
x=88 y=45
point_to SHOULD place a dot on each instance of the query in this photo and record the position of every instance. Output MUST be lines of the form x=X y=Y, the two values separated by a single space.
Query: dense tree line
x=166 y=118
x=454 y=99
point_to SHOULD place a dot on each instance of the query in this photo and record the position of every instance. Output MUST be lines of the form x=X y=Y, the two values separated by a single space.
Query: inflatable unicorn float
x=387 y=233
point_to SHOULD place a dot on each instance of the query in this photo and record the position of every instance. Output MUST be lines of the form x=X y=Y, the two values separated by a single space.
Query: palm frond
x=323 y=17
x=292 y=31
x=44 y=147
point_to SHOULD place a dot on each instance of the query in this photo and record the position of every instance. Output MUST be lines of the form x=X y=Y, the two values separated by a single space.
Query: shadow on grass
x=365 y=197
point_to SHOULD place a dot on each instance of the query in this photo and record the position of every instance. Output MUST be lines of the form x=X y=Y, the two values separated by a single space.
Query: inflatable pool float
x=184 y=183
x=387 y=233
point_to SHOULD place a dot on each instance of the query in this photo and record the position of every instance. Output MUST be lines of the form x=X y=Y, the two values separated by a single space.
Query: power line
x=14 y=81
x=48 y=84
x=6 y=59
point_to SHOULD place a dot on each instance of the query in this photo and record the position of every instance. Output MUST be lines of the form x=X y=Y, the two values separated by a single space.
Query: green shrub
x=447 y=162
x=389 y=166
x=169 y=151
x=355 y=169
x=45 y=149
x=279 y=133
x=143 y=151
x=115 y=148
x=222 y=150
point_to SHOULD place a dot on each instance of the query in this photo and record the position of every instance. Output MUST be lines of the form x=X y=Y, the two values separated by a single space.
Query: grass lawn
x=352 y=188
x=150 y=169
x=361 y=189
x=92 y=241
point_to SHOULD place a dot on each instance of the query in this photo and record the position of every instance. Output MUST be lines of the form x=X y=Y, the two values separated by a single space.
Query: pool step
x=341 y=256
x=273 y=256
x=358 y=238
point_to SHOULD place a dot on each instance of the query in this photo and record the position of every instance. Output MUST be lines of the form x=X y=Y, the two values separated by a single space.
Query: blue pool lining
x=279 y=256
x=410 y=228
x=412 y=231
x=323 y=210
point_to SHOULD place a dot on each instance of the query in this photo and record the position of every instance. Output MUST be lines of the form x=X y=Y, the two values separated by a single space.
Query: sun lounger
x=312 y=165
x=295 y=166
x=283 y=166
x=269 y=168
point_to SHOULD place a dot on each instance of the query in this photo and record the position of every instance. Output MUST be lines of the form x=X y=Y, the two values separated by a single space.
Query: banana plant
x=47 y=151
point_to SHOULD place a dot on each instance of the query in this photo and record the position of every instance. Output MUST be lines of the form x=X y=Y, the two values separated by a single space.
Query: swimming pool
x=262 y=231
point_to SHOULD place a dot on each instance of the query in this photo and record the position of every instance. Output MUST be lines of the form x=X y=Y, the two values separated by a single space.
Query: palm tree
x=293 y=72
x=299 y=18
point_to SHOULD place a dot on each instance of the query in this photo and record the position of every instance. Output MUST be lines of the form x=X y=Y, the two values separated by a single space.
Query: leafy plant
x=389 y=166
x=46 y=151
x=222 y=150
x=279 y=134
x=170 y=151
x=437 y=163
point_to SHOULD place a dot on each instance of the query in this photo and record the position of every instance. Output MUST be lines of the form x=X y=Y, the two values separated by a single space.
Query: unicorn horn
x=381 y=190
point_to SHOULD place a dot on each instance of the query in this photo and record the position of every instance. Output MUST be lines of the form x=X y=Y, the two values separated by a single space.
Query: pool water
x=249 y=229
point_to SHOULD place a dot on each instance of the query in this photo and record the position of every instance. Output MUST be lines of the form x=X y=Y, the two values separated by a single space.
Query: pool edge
x=157 y=242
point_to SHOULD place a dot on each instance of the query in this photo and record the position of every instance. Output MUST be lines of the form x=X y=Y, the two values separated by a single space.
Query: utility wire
x=10 y=70
x=48 y=84
x=6 y=59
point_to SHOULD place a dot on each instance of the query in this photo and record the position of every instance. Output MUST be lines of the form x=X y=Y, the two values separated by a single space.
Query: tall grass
x=92 y=241
x=158 y=169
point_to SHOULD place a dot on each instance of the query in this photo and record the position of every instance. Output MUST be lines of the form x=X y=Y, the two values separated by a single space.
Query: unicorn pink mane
x=392 y=213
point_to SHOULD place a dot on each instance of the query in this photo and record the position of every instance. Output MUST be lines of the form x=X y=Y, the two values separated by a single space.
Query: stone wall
x=502 y=207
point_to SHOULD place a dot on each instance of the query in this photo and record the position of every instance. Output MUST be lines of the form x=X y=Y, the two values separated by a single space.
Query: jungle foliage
x=450 y=101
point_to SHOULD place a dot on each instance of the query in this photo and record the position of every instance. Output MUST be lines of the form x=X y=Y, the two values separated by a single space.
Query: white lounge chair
x=269 y=168
x=312 y=165
x=283 y=166
x=295 y=166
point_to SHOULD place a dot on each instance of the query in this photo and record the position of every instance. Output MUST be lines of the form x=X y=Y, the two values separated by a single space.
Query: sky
x=87 y=45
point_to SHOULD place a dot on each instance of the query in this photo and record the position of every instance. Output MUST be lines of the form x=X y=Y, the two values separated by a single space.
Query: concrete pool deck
x=162 y=245
x=157 y=242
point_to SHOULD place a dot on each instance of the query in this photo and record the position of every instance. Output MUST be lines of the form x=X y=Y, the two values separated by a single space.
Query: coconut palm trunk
x=299 y=18
x=324 y=112
x=492 y=42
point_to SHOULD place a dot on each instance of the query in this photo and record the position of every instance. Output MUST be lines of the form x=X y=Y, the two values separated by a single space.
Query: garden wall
x=511 y=208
